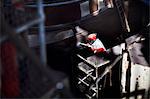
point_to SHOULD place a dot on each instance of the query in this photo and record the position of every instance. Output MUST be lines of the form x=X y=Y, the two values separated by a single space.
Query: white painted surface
x=140 y=74
x=125 y=65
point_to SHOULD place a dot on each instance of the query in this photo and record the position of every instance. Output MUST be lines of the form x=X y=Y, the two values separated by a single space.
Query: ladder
x=122 y=15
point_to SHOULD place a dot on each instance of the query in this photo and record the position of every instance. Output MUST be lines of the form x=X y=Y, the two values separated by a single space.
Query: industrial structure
x=74 y=49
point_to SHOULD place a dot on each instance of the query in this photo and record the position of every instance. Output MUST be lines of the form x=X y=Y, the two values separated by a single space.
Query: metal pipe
x=22 y=28
x=108 y=68
x=58 y=3
x=42 y=33
x=28 y=25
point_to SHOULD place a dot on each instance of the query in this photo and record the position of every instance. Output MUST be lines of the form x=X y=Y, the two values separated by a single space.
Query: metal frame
x=12 y=34
x=40 y=21
x=97 y=77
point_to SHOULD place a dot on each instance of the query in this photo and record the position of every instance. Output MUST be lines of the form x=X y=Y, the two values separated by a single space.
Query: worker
x=95 y=44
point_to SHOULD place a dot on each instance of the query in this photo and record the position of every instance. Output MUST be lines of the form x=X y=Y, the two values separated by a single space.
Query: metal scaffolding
x=14 y=23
